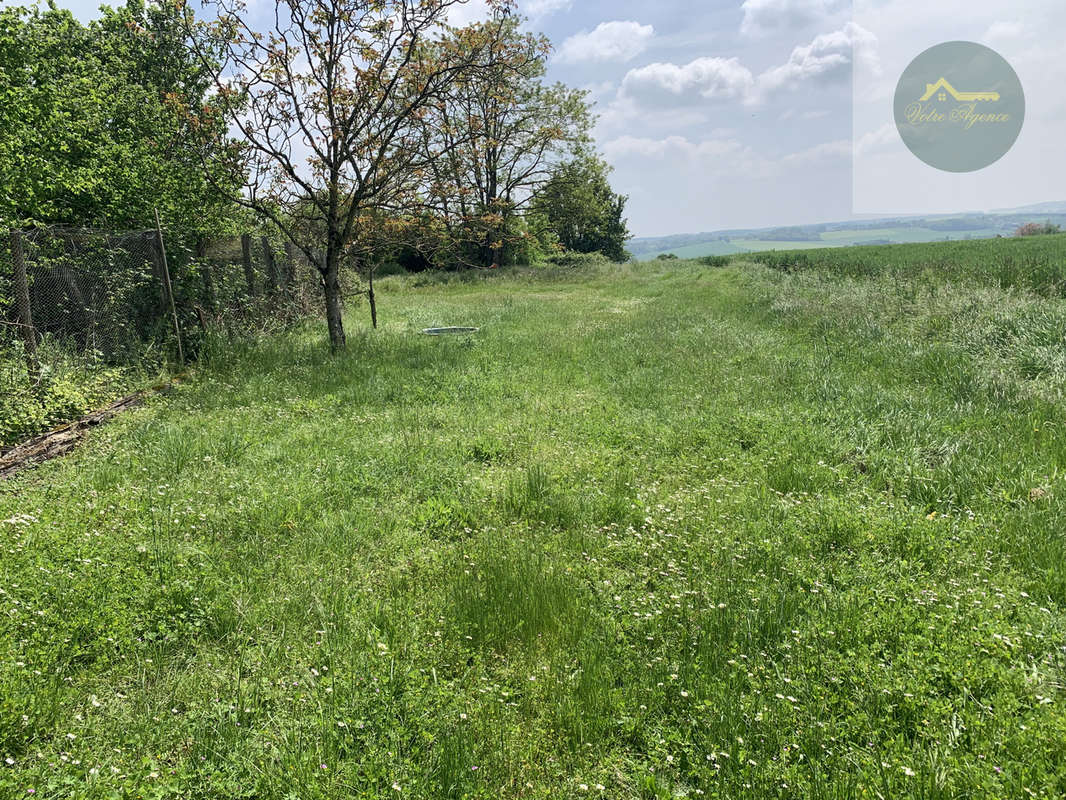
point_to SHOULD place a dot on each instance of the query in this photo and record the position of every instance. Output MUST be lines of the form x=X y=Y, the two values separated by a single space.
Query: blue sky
x=739 y=113
x=707 y=115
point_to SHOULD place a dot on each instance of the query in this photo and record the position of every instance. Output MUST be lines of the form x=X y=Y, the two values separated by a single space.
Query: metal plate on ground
x=447 y=331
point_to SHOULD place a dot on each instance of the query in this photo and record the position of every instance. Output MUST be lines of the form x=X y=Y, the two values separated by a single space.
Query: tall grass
x=1036 y=264
x=656 y=531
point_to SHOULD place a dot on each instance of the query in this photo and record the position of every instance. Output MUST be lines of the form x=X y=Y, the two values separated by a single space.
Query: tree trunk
x=331 y=285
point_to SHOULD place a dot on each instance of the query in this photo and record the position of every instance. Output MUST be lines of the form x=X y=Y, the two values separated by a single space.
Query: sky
x=720 y=114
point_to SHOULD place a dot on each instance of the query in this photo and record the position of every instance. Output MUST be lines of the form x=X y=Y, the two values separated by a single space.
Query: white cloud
x=669 y=146
x=827 y=151
x=710 y=157
x=1005 y=31
x=828 y=58
x=604 y=90
x=622 y=115
x=723 y=156
x=610 y=41
x=721 y=182
x=471 y=11
x=468 y=13
x=763 y=16
x=536 y=9
x=702 y=79
x=806 y=116
x=884 y=139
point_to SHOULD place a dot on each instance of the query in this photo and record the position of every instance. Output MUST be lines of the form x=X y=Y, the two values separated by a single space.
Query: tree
x=157 y=46
x=1037 y=229
x=328 y=103
x=501 y=130
x=579 y=208
x=97 y=120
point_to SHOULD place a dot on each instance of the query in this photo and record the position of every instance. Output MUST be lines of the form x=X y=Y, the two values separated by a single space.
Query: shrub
x=391 y=268
x=716 y=261
x=70 y=385
x=572 y=259
x=784 y=260
x=666 y=257
x=1037 y=229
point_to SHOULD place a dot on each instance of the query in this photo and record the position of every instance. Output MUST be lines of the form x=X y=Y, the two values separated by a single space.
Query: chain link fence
x=76 y=302
x=113 y=295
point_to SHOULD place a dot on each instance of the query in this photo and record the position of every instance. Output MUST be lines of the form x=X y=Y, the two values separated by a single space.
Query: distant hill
x=890 y=230
x=1052 y=207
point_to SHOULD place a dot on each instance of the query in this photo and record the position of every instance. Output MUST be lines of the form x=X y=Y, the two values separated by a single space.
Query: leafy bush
x=578 y=208
x=390 y=268
x=69 y=386
x=786 y=260
x=578 y=260
x=666 y=257
x=716 y=261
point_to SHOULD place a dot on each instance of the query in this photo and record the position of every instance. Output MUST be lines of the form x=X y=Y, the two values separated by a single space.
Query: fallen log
x=62 y=440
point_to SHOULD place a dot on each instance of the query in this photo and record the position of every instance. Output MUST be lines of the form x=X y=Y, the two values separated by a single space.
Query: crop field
x=771 y=530
x=962 y=228
x=844 y=238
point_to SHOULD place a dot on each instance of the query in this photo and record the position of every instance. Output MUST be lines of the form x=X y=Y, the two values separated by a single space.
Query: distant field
x=715 y=248
x=753 y=245
x=903 y=235
x=788 y=528
x=845 y=238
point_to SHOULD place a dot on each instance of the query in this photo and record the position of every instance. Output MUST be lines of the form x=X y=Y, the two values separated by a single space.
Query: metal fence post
x=22 y=305
x=169 y=289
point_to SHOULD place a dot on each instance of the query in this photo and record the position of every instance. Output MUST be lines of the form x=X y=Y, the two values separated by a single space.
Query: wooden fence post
x=271 y=263
x=210 y=295
x=290 y=263
x=169 y=288
x=22 y=305
x=246 y=260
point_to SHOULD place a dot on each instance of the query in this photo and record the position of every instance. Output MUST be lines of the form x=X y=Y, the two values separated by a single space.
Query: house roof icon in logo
x=943 y=87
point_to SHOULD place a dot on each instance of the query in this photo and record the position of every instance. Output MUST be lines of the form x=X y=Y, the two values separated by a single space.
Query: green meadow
x=791 y=529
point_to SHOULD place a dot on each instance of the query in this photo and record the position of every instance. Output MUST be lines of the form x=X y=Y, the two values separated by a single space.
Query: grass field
x=656 y=531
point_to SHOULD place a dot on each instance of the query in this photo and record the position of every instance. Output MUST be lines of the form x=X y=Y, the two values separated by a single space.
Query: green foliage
x=716 y=261
x=98 y=120
x=500 y=128
x=579 y=209
x=666 y=257
x=69 y=386
x=572 y=260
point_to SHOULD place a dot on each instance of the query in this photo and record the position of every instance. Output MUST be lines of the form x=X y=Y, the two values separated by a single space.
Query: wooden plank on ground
x=62 y=440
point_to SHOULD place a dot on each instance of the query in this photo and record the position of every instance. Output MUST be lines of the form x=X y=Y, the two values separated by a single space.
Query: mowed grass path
x=654 y=532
